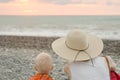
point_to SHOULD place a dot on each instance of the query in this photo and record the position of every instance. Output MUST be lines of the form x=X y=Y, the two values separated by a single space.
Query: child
x=43 y=66
x=83 y=51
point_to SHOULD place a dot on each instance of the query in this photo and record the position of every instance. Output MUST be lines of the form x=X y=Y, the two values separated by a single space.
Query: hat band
x=87 y=54
x=77 y=49
x=81 y=51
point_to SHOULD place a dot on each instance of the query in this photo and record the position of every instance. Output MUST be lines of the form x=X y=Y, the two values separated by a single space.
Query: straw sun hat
x=78 y=46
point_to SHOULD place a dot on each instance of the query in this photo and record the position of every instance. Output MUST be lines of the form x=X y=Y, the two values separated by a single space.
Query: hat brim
x=94 y=49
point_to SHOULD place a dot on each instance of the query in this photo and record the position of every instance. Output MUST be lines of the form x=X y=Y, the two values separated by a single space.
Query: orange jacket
x=41 y=77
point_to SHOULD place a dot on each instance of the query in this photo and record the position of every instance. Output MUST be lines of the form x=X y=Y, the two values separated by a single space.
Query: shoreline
x=40 y=41
x=102 y=33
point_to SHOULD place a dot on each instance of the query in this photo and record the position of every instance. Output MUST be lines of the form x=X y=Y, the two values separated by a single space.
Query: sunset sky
x=59 y=7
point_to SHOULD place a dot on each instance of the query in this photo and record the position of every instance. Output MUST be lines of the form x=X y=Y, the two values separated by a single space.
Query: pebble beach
x=17 y=55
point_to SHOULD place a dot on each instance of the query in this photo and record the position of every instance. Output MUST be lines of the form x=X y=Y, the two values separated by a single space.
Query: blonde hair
x=43 y=63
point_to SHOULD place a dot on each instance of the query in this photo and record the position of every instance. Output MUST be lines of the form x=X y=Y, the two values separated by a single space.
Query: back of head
x=43 y=63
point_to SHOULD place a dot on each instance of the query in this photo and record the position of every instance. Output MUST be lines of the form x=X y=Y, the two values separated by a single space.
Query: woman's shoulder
x=110 y=62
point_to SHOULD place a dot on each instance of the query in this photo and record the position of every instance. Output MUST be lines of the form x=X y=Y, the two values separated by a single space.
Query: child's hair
x=43 y=63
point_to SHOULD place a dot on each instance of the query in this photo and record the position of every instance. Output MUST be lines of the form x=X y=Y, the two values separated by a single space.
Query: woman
x=83 y=52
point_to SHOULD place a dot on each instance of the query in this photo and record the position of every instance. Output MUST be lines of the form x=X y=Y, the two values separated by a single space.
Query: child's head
x=43 y=63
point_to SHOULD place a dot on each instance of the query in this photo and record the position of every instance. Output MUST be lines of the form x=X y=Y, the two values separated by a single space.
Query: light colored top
x=87 y=71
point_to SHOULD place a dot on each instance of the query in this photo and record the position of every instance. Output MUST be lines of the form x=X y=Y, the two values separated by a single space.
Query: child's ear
x=52 y=67
x=35 y=67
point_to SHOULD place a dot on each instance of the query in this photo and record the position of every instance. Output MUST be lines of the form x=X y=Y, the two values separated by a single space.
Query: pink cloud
x=33 y=7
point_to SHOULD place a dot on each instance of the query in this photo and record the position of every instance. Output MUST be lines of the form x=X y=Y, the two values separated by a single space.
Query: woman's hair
x=43 y=62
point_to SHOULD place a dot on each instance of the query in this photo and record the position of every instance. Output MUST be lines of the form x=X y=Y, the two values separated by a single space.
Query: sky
x=59 y=7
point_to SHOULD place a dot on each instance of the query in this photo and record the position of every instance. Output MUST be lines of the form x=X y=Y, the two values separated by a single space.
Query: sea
x=103 y=26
